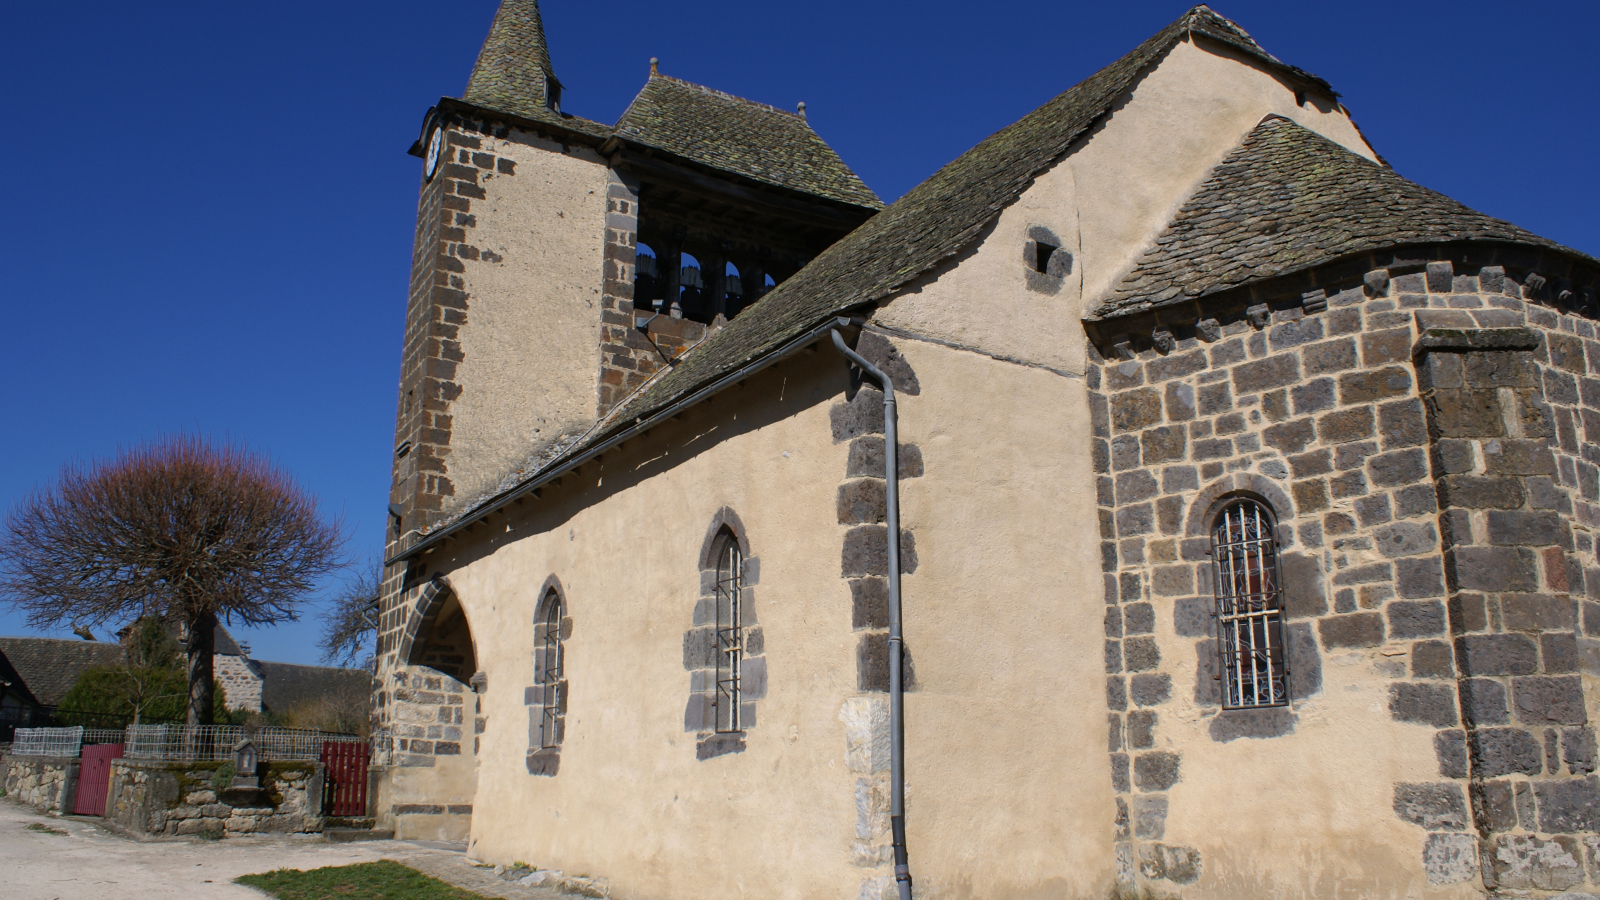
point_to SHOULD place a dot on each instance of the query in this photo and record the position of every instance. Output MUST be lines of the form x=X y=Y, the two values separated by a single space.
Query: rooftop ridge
x=725 y=95
x=76 y=642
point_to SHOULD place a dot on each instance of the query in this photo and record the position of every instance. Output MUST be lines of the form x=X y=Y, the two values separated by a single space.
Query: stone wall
x=174 y=798
x=45 y=783
x=240 y=681
x=429 y=713
x=1422 y=519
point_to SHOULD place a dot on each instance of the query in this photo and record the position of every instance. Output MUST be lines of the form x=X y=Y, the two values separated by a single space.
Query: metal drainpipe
x=897 y=731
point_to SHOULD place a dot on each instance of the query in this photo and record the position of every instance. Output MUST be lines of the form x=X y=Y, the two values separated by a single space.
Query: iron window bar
x=1250 y=643
x=550 y=674
x=730 y=637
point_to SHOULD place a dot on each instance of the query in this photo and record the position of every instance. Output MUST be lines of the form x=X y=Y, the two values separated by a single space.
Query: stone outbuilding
x=1245 y=502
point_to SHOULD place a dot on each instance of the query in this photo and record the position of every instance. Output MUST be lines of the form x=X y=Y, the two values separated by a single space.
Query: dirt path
x=90 y=863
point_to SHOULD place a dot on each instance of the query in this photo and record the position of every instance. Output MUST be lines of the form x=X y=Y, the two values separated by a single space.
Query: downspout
x=897 y=731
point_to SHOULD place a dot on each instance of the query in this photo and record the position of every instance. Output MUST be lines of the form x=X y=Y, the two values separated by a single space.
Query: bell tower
x=503 y=317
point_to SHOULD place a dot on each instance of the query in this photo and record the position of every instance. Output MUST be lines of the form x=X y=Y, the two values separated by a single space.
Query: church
x=1164 y=499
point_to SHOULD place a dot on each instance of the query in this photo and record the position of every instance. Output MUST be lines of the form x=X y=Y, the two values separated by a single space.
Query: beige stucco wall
x=450 y=781
x=1008 y=782
x=1308 y=814
x=1009 y=787
x=1107 y=200
x=527 y=373
x=630 y=802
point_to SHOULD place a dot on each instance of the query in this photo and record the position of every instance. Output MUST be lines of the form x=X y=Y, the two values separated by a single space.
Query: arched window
x=733 y=291
x=691 y=289
x=549 y=674
x=646 y=278
x=730 y=635
x=1244 y=563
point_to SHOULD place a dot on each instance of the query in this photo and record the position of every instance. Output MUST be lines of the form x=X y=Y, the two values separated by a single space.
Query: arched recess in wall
x=439 y=637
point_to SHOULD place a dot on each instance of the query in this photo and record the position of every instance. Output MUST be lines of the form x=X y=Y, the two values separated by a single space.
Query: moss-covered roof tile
x=1285 y=200
x=736 y=135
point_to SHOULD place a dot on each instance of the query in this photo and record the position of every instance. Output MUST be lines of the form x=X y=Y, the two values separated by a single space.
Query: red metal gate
x=344 y=791
x=94 y=778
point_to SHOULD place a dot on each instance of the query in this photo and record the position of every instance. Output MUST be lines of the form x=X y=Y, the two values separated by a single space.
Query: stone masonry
x=629 y=356
x=1422 y=517
x=1507 y=407
x=170 y=798
x=45 y=783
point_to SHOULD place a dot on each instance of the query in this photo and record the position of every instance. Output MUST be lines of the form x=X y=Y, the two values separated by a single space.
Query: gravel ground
x=91 y=863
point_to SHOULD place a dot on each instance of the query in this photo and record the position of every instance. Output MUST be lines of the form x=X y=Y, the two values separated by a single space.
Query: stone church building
x=1240 y=527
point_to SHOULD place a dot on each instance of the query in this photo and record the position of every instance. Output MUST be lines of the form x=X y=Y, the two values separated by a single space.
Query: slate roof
x=13 y=687
x=929 y=225
x=741 y=136
x=509 y=75
x=513 y=64
x=50 y=666
x=934 y=221
x=1285 y=200
x=223 y=643
x=283 y=685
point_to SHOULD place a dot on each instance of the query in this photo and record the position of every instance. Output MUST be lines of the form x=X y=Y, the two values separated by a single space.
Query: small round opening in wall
x=435 y=147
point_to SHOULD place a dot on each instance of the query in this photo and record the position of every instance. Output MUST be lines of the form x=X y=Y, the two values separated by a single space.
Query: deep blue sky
x=208 y=206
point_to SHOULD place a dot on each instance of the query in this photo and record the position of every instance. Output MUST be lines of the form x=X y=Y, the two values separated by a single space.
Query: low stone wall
x=176 y=798
x=45 y=783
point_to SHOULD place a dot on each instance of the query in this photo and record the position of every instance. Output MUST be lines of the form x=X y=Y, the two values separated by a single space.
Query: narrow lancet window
x=1244 y=561
x=730 y=636
x=550 y=676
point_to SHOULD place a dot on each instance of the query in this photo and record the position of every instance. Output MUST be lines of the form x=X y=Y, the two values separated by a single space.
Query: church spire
x=513 y=72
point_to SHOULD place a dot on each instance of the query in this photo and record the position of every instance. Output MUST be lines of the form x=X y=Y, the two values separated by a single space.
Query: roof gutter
x=564 y=466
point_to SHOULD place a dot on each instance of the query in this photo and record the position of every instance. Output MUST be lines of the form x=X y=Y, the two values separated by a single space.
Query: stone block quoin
x=1514 y=453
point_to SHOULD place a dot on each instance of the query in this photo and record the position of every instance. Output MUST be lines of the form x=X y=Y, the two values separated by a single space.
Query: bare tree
x=182 y=528
x=350 y=623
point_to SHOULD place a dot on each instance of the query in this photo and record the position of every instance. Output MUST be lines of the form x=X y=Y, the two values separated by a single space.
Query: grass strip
x=382 y=880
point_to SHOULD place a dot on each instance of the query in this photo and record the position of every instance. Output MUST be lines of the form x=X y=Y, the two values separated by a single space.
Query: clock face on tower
x=435 y=141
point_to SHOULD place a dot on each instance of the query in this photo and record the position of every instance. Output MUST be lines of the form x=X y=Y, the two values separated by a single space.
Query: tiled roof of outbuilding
x=1285 y=200
x=739 y=136
x=13 y=686
x=284 y=685
x=51 y=666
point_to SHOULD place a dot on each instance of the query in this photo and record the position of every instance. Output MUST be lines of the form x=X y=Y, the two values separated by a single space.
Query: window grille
x=730 y=636
x=1244 y=562
x=550 y=673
